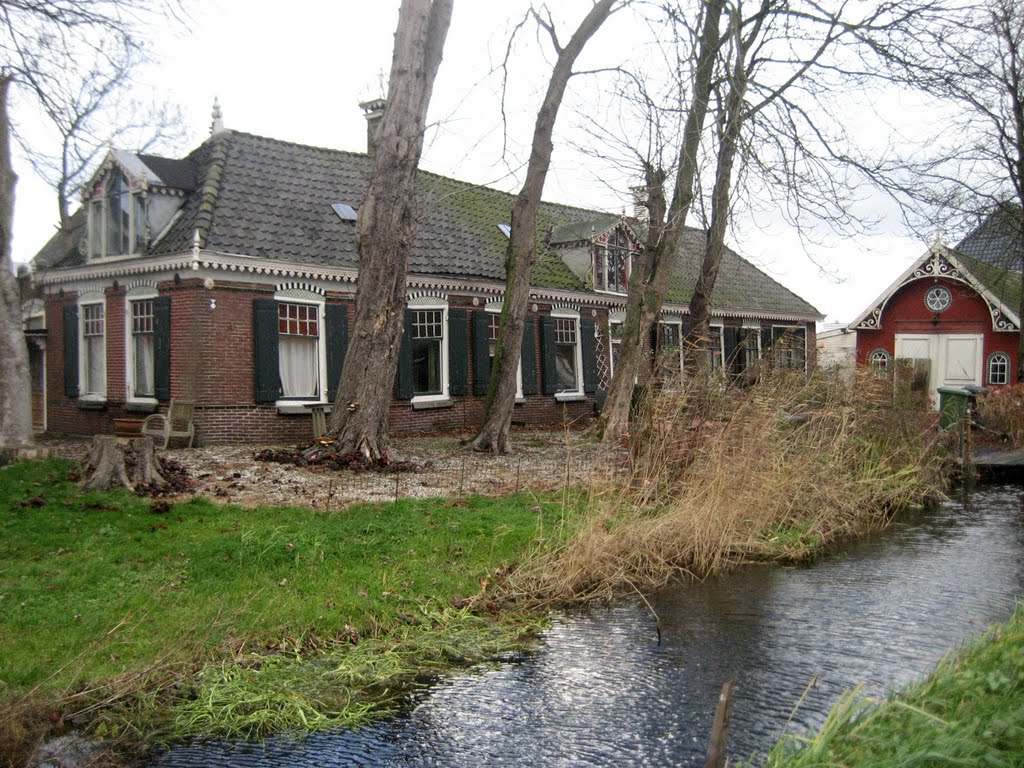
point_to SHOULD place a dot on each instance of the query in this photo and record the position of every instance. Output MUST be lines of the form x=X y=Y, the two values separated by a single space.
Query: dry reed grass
x=715 y=477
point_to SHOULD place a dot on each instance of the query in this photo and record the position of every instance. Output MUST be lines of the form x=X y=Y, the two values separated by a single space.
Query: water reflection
x=601 y=691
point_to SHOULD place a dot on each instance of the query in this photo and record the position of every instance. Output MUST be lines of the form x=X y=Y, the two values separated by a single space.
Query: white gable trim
x=938 y=261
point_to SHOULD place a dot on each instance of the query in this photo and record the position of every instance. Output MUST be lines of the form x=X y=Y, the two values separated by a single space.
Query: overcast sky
x=299 y=75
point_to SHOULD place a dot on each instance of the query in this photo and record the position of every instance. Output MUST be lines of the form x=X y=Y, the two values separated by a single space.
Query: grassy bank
x=968 y=712
x=718 y=477
x=120 y=609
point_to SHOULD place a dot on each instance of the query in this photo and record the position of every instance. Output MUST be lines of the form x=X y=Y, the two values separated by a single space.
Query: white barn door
x=956 y=358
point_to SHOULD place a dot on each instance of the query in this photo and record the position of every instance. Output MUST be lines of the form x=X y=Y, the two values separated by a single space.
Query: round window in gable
x=938 y=298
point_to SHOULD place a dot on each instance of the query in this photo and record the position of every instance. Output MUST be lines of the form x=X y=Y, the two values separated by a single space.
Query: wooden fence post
x=720 y=728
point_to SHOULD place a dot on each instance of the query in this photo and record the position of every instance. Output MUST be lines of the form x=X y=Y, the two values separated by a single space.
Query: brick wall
x=212 y=362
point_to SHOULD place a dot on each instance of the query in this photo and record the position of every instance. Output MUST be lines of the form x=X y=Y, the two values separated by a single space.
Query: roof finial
x=218 y=118
x=937 y=235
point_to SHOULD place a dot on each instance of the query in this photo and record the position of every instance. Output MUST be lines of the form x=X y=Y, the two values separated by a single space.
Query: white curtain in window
x=96 y=366
x=144 y=365
x=298 y=363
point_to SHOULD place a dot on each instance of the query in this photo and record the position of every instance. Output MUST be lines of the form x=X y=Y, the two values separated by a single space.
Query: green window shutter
x=481 y=353
x=528 y=357
x=71 y=351
x=337 y=345
x=403 y=375
x=458 y=351
x=266 y=369
x=589 y=355
x=162 y=347
x=549 y=373
x=730 y=337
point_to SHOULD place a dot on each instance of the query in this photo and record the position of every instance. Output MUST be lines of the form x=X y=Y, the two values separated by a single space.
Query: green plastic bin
x=953 y=403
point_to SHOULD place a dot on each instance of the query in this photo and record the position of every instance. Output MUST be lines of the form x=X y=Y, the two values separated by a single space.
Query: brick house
x=954 y=308
x=228 y=278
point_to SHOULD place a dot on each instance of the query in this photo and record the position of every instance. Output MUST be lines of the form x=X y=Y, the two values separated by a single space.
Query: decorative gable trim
x=938 y=261
x=306 y=291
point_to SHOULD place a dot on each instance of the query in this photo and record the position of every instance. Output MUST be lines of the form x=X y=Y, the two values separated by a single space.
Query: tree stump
x=115 y=462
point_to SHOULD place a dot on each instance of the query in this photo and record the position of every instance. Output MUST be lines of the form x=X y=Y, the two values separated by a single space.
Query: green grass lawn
x=94 y=585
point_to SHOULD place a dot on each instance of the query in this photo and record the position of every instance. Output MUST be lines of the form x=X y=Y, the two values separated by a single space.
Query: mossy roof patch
x=271 y=199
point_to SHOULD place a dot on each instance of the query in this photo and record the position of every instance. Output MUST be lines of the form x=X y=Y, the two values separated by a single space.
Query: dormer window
x=117 y=220
x=613 y=262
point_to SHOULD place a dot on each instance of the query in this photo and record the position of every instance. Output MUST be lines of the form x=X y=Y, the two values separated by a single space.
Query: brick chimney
x=373 y=110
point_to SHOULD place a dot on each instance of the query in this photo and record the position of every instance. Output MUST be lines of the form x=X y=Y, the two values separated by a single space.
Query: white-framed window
x=141 y=349
x=117 y=219
x=93 y=358
x=568 y=353
x=301 y=353
x=879 y=359
x=493 y=328
x=749 y=343
x=429 y=349
x=613 y=262
x=998 y=368
x=615 y=329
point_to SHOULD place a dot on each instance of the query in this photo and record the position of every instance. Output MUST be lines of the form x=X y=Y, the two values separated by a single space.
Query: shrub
x=713 y=477
x=1001 y=411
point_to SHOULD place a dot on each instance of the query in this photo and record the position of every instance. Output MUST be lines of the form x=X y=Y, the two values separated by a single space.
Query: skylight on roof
x=345 y=212
x=506 y=230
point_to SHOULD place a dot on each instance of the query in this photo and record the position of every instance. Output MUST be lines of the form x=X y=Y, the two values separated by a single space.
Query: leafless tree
x=385 y=231
x=88 y=108
x=969 y=59
x=35 y=38
x=666 y=220
x=520 y=255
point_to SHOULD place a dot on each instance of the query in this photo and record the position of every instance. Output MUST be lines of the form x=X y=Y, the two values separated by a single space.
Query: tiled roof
x=271 y=199
x=1003 y=283
x=997 y=239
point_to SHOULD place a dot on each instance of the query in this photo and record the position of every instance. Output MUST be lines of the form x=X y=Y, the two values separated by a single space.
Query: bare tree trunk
x=117 y=463
x=15 y=385
x=522 y=246
x=650 y=278
x=700 y=304
x=385 y=232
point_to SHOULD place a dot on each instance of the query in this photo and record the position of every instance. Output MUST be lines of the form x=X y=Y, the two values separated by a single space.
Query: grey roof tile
x=271 y=199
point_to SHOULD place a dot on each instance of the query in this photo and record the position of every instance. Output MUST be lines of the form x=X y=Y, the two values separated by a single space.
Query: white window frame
x=97 y=224
x=717 y=329
x=755 y=326
x=433 y=303
x=135 y=295
x=91 y=300
x=614 y=319
x=493 y=309
x=298 y=404
x=569 y=314
x=602 y=265
x=879 y=359
x=1006 y=368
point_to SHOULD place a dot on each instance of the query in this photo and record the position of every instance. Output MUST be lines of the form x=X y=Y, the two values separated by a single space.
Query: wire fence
x=458 y=476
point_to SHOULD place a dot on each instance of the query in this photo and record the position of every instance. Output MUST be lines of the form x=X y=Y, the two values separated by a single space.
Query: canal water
x=600 y=690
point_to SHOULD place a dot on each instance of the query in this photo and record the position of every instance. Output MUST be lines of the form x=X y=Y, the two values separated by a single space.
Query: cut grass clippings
x=968 y=712
x=121 y=611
